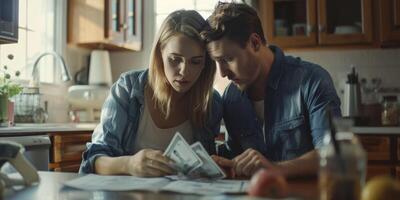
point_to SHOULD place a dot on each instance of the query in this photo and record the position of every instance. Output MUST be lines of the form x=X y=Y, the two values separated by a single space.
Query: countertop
x=19 y=129
x=377 y=130
x=76 y=127
x=363 y=129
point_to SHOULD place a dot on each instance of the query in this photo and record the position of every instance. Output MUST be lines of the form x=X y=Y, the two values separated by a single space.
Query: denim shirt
x=297 y=94
x=116 y=133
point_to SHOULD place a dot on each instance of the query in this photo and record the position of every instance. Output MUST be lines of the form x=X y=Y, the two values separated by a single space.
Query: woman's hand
x=149 y=163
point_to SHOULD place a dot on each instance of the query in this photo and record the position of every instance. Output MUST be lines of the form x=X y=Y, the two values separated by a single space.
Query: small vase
x=3 y=110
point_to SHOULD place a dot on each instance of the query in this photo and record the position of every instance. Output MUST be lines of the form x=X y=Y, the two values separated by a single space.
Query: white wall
x=370 y=63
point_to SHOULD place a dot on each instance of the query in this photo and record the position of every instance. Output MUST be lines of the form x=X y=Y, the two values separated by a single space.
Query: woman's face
x=183 y=60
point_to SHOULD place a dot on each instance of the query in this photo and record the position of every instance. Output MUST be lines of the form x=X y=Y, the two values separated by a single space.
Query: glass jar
x=390 y=111
x=342 y=177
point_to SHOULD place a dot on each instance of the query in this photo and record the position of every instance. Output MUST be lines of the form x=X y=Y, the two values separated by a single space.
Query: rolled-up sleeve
x=321 y=95
x=108 y=135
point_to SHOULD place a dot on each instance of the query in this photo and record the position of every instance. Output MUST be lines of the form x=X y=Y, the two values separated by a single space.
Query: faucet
x=65 y=72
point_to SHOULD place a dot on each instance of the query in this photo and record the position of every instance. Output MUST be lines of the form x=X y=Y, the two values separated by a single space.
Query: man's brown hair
x=235 y=21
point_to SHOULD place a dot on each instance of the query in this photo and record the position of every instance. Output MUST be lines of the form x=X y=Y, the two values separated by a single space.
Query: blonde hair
x=189 y=23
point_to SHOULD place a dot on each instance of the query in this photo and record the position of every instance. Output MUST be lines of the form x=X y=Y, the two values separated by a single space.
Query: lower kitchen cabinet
x=383 y=152
x=66 y=150
x=398 y=172
x=376 y=169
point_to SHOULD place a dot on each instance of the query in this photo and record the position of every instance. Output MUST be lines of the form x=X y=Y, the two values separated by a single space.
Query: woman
x=146 y=108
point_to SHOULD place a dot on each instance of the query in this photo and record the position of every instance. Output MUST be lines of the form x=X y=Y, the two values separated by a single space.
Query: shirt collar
x=276 y=68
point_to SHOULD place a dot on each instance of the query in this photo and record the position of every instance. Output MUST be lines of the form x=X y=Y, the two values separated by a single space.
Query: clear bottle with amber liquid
x=390 y=111
x=342 y=176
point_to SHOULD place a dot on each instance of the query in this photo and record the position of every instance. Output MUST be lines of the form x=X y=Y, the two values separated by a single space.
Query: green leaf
x=14 y=89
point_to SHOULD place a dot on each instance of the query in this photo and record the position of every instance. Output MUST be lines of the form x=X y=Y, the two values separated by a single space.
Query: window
x=36 y=35
x=163 y=8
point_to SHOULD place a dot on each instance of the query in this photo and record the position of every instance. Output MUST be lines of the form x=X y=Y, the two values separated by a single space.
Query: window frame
x=58 y=43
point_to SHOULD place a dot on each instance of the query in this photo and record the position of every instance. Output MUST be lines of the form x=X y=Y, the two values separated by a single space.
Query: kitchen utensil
x=352 y=95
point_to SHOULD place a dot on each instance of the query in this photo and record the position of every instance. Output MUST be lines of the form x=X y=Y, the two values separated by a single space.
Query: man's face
x=184 y=61
x=239 y=64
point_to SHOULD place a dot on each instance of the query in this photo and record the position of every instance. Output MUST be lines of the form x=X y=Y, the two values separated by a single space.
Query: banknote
x=209 y=169
x=186 y=160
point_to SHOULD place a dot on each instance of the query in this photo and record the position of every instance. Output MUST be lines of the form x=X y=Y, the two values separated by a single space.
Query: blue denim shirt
x=297 y=94
x=116 y=133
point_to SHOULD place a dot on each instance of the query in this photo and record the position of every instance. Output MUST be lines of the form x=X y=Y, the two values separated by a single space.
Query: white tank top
x=149 y=136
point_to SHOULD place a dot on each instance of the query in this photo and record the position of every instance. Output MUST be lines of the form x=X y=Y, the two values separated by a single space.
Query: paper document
x=130 y=183
x=207 y=187
x=244 y=197
x=117 y=183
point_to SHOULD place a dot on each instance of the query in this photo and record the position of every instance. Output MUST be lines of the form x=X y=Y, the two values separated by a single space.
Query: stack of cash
x=192 y=161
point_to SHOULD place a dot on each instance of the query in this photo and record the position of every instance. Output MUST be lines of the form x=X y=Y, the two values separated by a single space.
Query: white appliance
x=100 y=68
x=86 y=100
x=36 y=151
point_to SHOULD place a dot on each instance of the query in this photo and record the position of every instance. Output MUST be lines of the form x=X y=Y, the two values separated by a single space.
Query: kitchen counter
x=360 y=129
x=377 y=130
x=76 y=127
x=34 y=129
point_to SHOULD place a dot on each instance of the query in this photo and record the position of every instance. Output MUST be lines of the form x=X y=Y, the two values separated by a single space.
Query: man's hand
x=226 y=165
x=249 y=162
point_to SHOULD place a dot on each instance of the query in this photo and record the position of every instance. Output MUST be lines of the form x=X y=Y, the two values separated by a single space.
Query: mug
x=299 y=29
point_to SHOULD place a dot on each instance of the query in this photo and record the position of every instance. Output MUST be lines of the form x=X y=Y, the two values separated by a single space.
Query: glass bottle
x=390 y=111
x=342 y=177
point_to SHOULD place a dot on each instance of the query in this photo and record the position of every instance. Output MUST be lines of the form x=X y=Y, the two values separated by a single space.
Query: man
x=275 y=107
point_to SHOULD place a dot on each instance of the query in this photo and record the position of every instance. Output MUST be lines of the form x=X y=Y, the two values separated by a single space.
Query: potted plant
x=8 y=89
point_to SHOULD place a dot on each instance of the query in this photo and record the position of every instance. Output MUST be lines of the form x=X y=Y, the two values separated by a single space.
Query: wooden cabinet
x=383 y=152
x=378 y=148
x=66 y=150
x=389 y=21
x=8 y=21
x=376 y=170
x=300 y=23
x=105 y=24
x=398 y=172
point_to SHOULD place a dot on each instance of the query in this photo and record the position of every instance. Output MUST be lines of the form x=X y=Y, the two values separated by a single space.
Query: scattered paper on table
x=117 y=183
x=129 y=183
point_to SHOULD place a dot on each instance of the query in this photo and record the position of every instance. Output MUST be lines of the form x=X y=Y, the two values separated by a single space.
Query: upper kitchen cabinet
x=389 y=20
x=8 y=21
x=300 y=23
x=289 y=23
x=105 y=24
